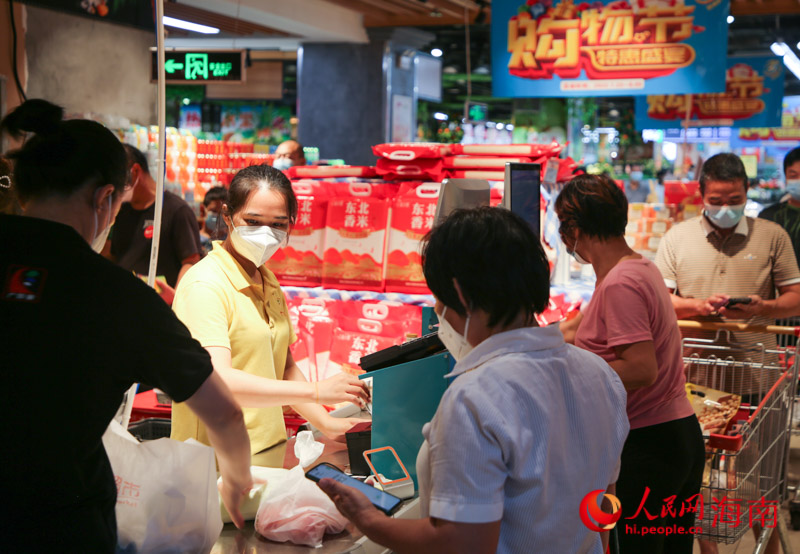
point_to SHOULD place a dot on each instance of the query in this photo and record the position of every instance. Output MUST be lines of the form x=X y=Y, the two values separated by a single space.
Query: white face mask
x=282 y=163
x=257 y=244
x=574 y=253
x=455 y=343
x=99 y=240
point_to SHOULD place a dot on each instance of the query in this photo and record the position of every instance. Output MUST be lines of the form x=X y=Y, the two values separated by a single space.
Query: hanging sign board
x=197 y=67
x=608 y=47
x=753 y=96
x=789 y=130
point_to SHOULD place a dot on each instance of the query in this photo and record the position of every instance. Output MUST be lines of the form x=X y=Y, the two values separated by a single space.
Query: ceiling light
x=731 y=19
x=437 y=52
x=189 y=26
x=790 y=59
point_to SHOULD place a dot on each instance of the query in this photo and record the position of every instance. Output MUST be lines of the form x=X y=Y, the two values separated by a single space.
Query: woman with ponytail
x=78 y=331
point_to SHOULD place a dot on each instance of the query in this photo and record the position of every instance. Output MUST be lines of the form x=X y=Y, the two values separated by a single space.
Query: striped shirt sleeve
x=785 y=271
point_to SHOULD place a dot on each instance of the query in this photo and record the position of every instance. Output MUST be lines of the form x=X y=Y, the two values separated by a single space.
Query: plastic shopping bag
x=167 y=498
x=295 y=509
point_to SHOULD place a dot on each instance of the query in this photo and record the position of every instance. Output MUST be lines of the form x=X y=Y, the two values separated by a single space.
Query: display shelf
x=336 y=294
x=572 y=291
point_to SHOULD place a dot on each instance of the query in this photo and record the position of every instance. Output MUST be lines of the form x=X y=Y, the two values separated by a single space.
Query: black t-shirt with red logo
x=77 y=332
x=132 y=237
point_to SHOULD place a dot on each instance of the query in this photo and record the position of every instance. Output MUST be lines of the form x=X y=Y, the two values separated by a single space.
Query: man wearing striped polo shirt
x=720 y=255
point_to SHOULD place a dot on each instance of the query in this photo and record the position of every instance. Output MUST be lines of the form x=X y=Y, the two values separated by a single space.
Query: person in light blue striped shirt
x=529 y=425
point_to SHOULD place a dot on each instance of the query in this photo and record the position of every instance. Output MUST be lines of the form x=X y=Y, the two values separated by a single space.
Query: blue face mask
x=793 y=188
x=215 y=230
x=725 y=217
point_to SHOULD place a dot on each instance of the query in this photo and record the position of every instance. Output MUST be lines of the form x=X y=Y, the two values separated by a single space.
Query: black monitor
x=522 y=194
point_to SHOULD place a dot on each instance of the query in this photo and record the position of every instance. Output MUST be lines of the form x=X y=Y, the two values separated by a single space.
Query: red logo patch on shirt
x=24 y=284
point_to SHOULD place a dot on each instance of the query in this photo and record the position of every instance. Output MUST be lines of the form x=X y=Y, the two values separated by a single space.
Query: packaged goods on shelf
x=329 y=171
x=533 y=150
x=413 y=212
x=299 y=263
x=485 y=162
x=404 y=151
x=422 y=168
x=682 y=192
x=362 y=327
x=218 y=161
x=355 y=238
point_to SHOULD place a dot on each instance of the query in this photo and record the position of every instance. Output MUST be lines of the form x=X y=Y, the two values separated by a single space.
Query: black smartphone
x=385 y=502
x=740 y=300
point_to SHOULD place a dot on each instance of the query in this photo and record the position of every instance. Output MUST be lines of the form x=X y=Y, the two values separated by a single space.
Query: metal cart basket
x=744 y=483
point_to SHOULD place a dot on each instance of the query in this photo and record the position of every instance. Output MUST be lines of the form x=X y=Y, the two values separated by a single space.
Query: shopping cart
x=744 y=483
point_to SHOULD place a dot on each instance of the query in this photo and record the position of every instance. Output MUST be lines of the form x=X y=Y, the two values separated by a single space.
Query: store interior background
x=317 y=72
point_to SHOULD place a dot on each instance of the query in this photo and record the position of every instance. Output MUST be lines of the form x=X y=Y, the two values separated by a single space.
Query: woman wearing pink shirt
x=631 y=324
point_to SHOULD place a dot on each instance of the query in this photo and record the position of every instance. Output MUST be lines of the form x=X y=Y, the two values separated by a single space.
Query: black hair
x=791 y=158
x=136 y=156
x=215 y=193
x=62 y=156
x=497 y=260
x=257 y=176
x=724 y=168
x=595 y=205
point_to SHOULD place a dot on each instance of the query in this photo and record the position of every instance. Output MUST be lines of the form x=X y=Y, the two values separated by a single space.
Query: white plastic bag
x=167 y=499
x=295 y=509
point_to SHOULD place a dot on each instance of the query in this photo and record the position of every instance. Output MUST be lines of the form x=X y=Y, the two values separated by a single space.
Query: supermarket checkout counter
x=238 y=541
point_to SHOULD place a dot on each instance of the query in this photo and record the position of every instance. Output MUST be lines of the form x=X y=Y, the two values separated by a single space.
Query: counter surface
x=236 y=541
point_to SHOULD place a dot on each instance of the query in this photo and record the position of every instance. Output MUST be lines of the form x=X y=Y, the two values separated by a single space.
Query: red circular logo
x=148 y=232
x=591 y=512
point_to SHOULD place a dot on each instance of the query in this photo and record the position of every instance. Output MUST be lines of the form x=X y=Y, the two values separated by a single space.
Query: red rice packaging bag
x=530 y=150
x=413 y=212
x=355 y=238
x=315 y=324
x=329 y=171
x=406 y=317
x=421 y=168
x=404 y=151
x=350 y=346
x=299 y=263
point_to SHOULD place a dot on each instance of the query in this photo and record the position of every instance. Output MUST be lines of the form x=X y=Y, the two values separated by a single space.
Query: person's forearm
x=684 y=307
x=252 y=391
x=182 y=272
x=230 y=440
x=786 y=305
x=414 y=536
x=311 y=411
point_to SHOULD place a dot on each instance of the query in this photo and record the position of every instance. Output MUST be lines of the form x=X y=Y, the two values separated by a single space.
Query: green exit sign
x=199 y=67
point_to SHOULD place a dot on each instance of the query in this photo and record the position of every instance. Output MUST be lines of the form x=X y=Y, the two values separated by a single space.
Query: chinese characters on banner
x=722 y=512
x=789 y=130
x=607 y=48
x=754 y=91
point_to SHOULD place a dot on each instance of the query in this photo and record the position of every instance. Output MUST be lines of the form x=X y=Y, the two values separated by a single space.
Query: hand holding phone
x=738 y=300
x=385 y=502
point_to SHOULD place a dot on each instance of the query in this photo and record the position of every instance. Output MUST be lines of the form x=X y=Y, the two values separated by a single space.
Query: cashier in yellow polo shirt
x=234 y=307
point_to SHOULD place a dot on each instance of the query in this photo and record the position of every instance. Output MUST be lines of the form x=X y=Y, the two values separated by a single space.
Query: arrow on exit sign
x=171 y=66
